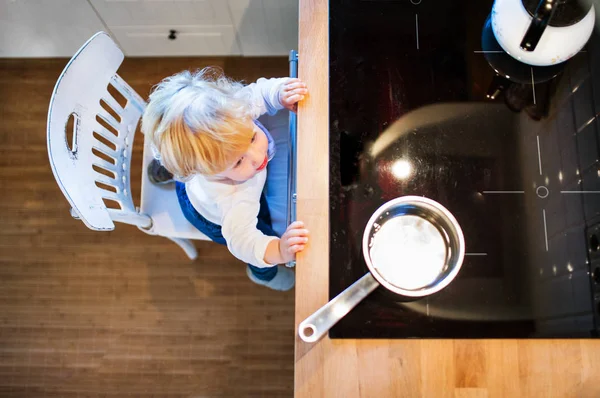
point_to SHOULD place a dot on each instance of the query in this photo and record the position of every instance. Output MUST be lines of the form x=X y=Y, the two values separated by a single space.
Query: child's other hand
x=293 y=241
x=291 y=92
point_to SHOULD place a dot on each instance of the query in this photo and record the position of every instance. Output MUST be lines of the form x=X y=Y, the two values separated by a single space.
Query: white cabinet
x=189 y=40
x=45 y=28
x=143 y=27
x=162 y=12
x=266 y=27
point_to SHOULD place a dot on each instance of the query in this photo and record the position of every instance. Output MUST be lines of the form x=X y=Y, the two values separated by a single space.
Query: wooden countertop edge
x=394 y=368
x=313 y=189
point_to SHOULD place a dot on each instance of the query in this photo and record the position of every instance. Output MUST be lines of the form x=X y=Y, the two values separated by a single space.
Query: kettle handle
x=544 y=11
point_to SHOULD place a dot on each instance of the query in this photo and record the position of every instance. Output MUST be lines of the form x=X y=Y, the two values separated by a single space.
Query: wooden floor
x=90 y=314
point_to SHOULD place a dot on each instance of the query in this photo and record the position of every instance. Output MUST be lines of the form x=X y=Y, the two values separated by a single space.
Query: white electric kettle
x=542 y=32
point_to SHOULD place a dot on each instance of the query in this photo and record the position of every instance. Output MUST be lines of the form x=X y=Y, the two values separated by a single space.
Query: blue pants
x=213 y=231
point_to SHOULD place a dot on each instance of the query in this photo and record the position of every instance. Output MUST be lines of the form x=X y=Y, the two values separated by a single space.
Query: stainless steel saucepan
x=413 y=247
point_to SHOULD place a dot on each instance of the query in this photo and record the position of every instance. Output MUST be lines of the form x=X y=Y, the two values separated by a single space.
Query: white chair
x=92 y=169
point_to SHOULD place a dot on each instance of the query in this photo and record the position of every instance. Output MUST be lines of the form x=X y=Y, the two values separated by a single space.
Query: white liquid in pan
x=408 y=252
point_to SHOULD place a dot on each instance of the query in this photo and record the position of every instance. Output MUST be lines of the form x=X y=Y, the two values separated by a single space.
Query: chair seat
x=161 y=204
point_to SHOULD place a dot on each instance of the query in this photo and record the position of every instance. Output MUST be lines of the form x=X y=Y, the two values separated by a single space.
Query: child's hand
x=293 y=241
x=291 y=92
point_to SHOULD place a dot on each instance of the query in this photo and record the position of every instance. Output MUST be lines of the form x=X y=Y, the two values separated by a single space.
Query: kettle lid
x=568 y=12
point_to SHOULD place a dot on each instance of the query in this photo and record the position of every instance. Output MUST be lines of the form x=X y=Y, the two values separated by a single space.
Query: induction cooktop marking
x=545 y=228
x=579 y=191
x=539 y=152
x=542 y=192
x=415 y=2
x=533 y=88
x=417 y=28
x=503 y=191
x=580 y=129
x=475 y=254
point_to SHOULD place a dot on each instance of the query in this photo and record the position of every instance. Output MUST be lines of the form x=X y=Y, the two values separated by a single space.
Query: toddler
x=204 y=131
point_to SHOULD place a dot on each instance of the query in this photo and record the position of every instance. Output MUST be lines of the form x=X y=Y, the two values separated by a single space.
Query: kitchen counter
x=407 y=368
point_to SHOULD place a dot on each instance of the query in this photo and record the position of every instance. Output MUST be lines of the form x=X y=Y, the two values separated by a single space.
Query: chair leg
x=188 y=247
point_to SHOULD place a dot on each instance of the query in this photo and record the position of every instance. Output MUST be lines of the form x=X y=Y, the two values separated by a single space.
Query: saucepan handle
x=315 y=326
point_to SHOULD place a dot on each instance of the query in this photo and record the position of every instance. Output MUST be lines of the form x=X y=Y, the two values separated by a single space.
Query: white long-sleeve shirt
x=235 y=205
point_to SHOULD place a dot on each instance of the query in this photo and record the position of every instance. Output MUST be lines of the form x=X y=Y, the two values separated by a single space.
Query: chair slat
x=107 y=117
x=102 y=147
x=111 y=196
x=105 y=165
x=113 y=182
x=127 y=92
x=109 y=99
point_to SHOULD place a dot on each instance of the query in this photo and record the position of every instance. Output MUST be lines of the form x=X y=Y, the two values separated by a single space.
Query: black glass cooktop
x=420 y=106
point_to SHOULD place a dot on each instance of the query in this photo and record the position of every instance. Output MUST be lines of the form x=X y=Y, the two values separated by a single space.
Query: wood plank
x=502 y=364
x=313 y=361
x=469 y=363
x=121 y=313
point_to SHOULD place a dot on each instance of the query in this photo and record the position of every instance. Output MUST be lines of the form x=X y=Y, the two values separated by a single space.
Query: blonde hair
x=198 y=122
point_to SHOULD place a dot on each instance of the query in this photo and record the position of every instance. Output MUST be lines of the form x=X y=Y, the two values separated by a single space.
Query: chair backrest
x=92 y=167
